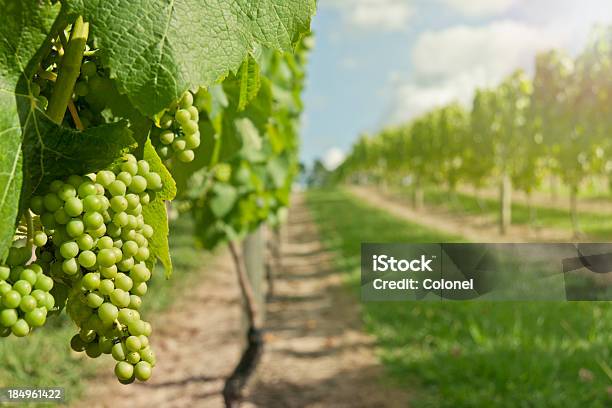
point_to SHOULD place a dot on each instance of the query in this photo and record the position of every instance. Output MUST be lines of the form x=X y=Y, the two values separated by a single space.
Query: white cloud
x=381 y=15
x=450 y=64
x=481 y=8
x=332 y=158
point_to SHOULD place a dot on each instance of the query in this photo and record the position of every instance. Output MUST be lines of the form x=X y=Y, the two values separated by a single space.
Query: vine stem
x=69 y=71
x=245 y=286
x=30 y=229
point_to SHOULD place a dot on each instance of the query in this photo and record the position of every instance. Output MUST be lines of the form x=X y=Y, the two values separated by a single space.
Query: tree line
x=556 y=122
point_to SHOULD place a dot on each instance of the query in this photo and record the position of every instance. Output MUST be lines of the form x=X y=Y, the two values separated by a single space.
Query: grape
x=108 y=312
x=36 y=317
x=133 y=357
x=105 y=177
x=124 y=370
x=146 y=354
x=77 y=344
x=106 y=287
x=75 y=228
x=11 y=299
x=39 y=238
x=22 y=287
x=44 y=283
x=119 y=351
x=129 y=248
x=8 y=317
x=20 y=328
x=143 y=167
x=56 y=185
x=126 y=316
x=52 y=202
x=186 y=156
x=37 y=205
x=27 y=304
x=93 y=350
x=87 y=259
x=190 y=127
x=119 y=204
x=85 y=242
x=70 y=266
x=5 y=272
x=94 y=300
x=132 y=343
x=28 y=275
x=109 y=272
x=135 y=302
x=105 y=344
x=93 y=220
x=137 y=327
x=61 y=217
x=138 y=185
x=142 y=370
x=106 y=258
x=123 y=282
x=117 y=188
x=120 y=298
x=87 y=188
x=140 y=289
x=92 y=203
x=130 y=167
x=125 y=177
x=69 y=249
x=91 y=281
x=192 y=141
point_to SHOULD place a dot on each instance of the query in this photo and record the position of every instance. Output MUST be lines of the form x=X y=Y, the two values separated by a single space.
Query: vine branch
x=245 y=287
x=69 y=71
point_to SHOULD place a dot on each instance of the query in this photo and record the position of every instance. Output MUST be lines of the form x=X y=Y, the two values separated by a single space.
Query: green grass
x=592 y=224
x=472 y=354
x=44 y=359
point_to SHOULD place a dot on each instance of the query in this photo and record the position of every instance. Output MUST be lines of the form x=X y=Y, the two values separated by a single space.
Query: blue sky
x=382 y=62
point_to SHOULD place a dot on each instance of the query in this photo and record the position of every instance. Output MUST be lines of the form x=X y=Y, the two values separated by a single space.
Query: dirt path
x=316 y=353
x=473 y=228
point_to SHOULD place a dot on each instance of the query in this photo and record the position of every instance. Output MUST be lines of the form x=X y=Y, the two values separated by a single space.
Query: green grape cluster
x=24 y=299
x=99 y=243
x=178 y=132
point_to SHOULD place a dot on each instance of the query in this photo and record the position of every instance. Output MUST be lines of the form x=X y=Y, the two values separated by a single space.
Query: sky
x=383 y=62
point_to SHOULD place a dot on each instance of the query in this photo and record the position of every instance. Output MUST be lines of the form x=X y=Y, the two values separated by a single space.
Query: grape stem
x=30 y=229
x=69 y=70
x=75 y=115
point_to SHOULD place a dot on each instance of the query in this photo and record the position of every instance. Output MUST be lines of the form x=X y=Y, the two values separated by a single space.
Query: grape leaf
x=223 y=199
x=155 y=213
x=53 y=152
x=249 y=82
x=23 y=29
x=175 y=45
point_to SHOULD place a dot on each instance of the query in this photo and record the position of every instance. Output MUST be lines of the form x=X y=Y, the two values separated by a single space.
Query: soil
x=316 y=352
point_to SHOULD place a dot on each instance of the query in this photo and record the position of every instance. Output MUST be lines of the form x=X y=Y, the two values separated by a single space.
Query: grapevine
x=102 y=126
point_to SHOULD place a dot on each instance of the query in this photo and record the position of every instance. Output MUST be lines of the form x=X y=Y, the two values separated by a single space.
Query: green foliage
x=23 y=28
x=186 y=44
